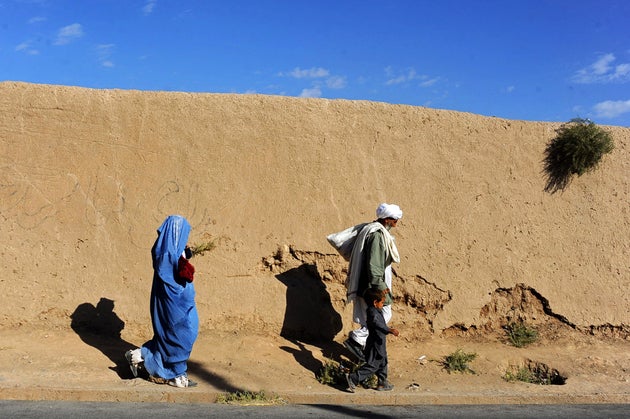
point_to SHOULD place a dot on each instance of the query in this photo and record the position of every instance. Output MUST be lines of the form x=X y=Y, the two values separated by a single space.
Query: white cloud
x=25 y=47
x=400 y=78
x=312 y=92
x=428 y=82
x=336 y=82
x=612 y=108
x=105 y=49
x=36 y=19
x=409 y=75
x=602 y=66
x=622 y=70
x=321 y=76
x=311 y=73
x=148 y=7
x=68 y=34
x=603 y=71
x=104 y=52
x=510 y=89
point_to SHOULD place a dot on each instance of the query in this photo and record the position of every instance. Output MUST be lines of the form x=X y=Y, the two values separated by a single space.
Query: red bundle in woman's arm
x=185 y=269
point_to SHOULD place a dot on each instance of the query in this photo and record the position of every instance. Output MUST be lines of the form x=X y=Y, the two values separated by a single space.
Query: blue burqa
x=173 y=311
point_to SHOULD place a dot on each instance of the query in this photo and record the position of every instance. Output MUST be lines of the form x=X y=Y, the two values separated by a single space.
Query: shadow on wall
x=309 y=314
x=309 y=317
x=100 y=328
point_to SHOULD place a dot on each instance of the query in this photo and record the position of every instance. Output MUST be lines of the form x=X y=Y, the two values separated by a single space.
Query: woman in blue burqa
x=173 y=311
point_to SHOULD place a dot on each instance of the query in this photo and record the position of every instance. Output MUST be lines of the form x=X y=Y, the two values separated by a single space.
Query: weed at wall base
x=458 y=361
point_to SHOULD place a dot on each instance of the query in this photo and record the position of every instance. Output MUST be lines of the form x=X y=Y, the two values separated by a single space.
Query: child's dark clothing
x=375 y=349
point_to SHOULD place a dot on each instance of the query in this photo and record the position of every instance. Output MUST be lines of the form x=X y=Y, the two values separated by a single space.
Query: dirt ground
x=86 y=177
x=70 y=366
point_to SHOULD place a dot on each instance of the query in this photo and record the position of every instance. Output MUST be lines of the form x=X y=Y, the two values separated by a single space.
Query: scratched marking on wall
x=32 y=196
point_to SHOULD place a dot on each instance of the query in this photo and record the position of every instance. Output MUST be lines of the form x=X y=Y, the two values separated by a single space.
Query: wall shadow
x=309 y=317
x=100 y=327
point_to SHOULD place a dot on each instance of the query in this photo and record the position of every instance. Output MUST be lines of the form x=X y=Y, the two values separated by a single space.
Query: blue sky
x=536 y=60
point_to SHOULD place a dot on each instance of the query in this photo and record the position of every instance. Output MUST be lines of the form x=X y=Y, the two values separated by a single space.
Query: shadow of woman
x=309 y=317
x=100 y=328
x=216 y=380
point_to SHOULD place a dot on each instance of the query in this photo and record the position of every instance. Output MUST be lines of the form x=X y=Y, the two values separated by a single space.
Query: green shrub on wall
x=577 y=148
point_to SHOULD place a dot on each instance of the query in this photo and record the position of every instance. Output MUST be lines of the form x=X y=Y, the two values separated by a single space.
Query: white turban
x=388 y=211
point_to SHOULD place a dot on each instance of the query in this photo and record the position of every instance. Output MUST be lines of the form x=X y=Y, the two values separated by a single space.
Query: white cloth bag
x=343 y=241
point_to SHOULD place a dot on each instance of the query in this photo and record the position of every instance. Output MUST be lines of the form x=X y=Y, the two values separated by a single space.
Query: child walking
x=375 y=346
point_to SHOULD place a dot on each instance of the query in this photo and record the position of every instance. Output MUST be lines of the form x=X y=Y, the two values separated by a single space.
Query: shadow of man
x=309 y=317
x=100 y=328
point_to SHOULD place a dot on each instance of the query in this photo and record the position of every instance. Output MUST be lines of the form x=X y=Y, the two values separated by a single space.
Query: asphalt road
x=109 y=410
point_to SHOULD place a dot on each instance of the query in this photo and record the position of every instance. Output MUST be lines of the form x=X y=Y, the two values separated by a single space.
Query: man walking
x=373 y=252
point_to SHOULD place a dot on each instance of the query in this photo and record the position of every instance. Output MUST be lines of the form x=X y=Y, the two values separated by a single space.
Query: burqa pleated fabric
x=173 y=311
